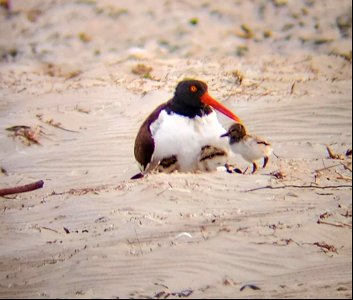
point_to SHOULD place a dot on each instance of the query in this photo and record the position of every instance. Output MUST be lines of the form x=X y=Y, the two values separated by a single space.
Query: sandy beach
x=78 y=78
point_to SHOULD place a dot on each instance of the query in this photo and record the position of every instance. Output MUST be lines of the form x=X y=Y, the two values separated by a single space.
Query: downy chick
x=250 y=147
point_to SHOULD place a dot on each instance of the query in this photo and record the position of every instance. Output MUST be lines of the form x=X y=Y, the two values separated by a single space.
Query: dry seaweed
x=332 y=155
x=166 y=294
x=278 y=175
x=326 y=248
x=28 y=135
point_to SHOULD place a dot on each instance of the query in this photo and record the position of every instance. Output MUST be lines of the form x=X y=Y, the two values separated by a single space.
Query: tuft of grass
x=13 y=52
x=143 y=71
x=246 y=32
x=344 y=24
x=6 y=4
x=280 y=3
x=10 y=53
x=242 y=50
x=111 y=11
x=87 y=2
x=84 y=37
x=194 y=21
x=238 y=76
x=347 y=55
x=33 y=15
x=268 y=34
x=322 y=41
x=116 y=13
x=73 y=74
x=288 y=27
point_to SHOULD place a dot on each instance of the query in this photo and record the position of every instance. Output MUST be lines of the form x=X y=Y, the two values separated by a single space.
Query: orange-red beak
x=208 y=100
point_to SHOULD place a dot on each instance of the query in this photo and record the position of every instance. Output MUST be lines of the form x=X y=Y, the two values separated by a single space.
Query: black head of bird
x=192 y=99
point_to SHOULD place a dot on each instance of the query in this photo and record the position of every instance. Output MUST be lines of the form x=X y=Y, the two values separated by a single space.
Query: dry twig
x=340 y=224
x=52 y=123
x=311 y=186
x=292 y=88
x=82 y=110
x=327 y=168
x=340 y=176
x=22 y=189
x=346 y=167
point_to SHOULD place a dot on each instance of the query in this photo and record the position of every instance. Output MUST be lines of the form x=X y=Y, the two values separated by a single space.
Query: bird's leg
x=254 y=168
x=266 y=159
x=228 y=168
x=151 y=167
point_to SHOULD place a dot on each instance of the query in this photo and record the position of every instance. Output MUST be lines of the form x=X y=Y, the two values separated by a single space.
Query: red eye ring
x=193 y=89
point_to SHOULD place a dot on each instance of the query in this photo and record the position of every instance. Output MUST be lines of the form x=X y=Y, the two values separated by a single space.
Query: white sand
x=207 y=233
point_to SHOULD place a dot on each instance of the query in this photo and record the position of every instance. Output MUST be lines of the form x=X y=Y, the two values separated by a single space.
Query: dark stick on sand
x=22 y=189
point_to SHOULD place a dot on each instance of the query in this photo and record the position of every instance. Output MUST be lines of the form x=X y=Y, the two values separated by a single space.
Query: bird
x=250 y=147
x=183 y=134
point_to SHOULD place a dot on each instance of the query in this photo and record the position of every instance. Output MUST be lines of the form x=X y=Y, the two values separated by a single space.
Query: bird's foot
x=232 y=169
x=137 y=176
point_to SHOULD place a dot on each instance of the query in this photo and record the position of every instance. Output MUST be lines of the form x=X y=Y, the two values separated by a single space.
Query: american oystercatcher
x=184 y=133
x=250 y=147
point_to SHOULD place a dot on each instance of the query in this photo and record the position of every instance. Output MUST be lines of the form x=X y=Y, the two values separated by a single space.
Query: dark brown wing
x=260 y=141
x=263 y=143
x=144 y=143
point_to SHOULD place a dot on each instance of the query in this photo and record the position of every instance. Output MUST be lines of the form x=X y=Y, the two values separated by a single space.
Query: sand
x=85 y=74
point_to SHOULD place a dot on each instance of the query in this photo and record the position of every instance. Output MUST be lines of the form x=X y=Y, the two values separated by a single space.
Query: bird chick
x=250 y=147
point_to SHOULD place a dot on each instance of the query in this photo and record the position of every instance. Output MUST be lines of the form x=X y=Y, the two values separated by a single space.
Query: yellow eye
x=193 y=89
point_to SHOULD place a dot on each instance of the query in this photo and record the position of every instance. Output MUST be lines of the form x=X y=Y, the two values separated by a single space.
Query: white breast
x=251 y=150
x=184 y=137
